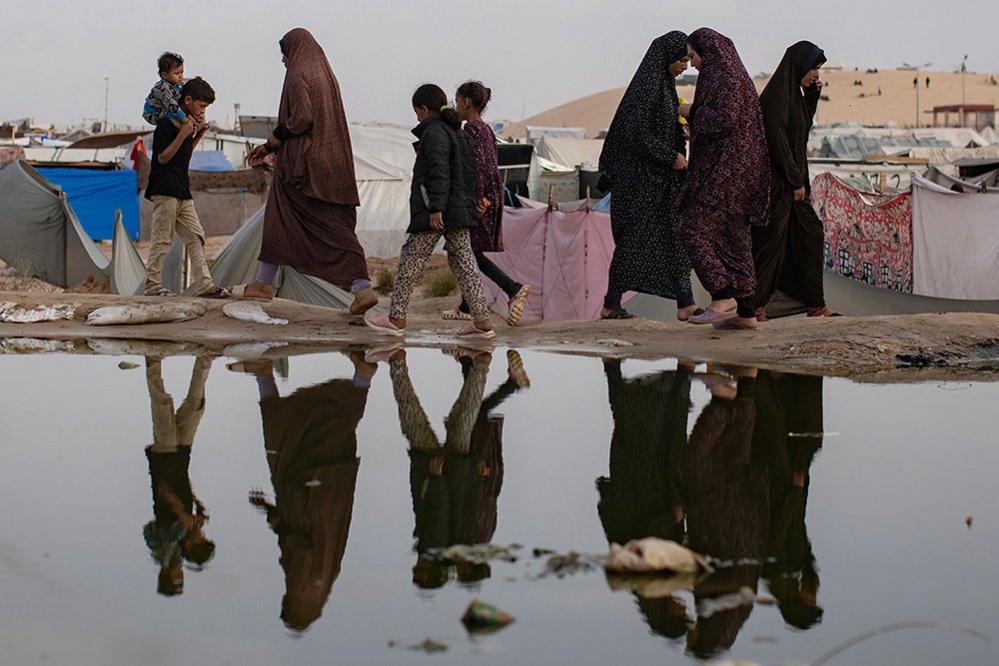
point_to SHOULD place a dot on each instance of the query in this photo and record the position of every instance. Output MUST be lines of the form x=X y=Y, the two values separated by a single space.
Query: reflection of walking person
x=310 y=439
x=176 y=532
x=455 y=484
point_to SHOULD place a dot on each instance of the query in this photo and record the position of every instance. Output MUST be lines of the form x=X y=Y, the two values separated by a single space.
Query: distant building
x=975 y=116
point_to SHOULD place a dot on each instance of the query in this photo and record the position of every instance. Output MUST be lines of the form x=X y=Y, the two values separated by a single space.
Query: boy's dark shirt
x=170 y=179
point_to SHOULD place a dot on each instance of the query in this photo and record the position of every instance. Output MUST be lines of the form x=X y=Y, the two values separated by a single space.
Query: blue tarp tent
x=95 y=195
x=209 y=160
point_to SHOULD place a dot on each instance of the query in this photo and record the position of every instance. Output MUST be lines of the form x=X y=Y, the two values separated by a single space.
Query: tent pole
x=551 y=198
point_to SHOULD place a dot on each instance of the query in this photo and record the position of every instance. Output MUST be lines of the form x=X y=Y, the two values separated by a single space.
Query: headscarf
x=648 y=109
x=787 y=114
x=318 y=158
x=729 y=170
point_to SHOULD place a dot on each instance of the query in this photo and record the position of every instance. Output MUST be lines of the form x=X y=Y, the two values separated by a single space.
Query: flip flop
x=473 y=331
x=696 y=313
x=455 y=315
x=515 y=366
x=218 y=293
x=517 y=305
x=735 y=324
x=162 y=292
x=380 y=322
x=619 y=313
x=824 y=311
x=710 y=316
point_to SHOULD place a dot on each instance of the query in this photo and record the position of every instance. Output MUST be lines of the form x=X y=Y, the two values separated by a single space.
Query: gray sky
x=534 y=54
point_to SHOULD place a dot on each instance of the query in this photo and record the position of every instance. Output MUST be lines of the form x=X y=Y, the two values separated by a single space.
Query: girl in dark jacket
x=441 y=204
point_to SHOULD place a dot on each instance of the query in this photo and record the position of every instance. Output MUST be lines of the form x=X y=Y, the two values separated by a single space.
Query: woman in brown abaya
x=312 y=208
x=788 y=252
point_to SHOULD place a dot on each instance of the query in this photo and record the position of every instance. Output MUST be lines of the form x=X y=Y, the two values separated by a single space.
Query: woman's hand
x=482 y=206
x=256 y=155
x=437 y=221
x=799 y=194
x=680 y=162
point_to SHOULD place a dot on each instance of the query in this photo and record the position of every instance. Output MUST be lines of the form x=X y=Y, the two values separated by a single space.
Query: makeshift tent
x=868 y=236
x=95 y=195
x=383 y=166
x=236 y=264
x=571 y=152
x=210 y=160
x=955 y=240
x=563 y=256
x=40 y=234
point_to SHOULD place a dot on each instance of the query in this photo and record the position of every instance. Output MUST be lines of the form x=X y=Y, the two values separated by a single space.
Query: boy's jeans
x=169 y=215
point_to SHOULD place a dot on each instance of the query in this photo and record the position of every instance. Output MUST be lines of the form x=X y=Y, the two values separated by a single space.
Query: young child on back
x=170 y=191
x=163 y=101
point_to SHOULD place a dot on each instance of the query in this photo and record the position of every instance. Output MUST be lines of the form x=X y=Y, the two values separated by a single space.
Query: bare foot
x=363 y=301
x=260 y=290
x=723 y=305
x=683 y=314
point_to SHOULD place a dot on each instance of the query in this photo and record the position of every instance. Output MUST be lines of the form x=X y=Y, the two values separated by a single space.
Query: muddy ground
x=931 y=346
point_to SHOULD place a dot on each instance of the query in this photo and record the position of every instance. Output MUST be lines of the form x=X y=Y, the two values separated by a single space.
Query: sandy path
x=931 y=346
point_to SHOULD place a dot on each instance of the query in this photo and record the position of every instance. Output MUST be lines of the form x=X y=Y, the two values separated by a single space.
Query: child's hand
x=187 y=128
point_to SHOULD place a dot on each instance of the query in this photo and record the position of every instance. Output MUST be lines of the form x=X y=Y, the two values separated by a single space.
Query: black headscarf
x=788 y=112
x=646 y=120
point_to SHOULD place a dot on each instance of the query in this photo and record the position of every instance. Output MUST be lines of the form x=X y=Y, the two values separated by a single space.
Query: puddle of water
x=289 y=517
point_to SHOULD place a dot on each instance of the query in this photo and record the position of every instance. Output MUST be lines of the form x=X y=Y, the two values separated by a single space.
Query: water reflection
x=176 y=532
x=736 y=489
x=310 y=442
x=455 y=484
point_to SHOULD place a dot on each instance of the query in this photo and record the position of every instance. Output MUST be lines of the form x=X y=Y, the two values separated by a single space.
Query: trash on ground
x=481 y=617
x=613 y=342
x=127 y=365
x=570 y=563
x=653 y=555
x=250 y=312
x=708 y=607
x=14 y=313
x=146 y=313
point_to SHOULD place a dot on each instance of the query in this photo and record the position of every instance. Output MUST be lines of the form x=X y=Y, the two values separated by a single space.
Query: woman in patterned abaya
x=727 y=188
x=644 y=158
x=788 y=252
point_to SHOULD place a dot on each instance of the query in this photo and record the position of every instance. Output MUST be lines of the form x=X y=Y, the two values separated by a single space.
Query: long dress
x=488 y=236
x=788 y=252
x=727 y=187
x=642 y=144
x=311 y=210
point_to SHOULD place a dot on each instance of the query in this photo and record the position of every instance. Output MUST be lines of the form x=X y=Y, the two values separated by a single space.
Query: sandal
x=162 y=291
x=618 y=313
x=379 y=321
x=824 y=311
x=239 y=291
x=473 y=331
x=696 y=313
x=455 y=315
x=517 y=305
x=362 y=306
x=710 y=316
x=216 y=293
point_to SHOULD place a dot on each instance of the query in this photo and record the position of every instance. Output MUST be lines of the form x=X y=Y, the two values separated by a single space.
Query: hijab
x=649 y=106
x=318 y=158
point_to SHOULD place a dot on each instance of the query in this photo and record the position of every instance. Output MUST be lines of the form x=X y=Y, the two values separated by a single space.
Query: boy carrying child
x=170 y=191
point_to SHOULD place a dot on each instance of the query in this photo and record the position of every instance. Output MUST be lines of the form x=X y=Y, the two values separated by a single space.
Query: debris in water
x=813 y=434
x=652 y=555
x=112 y=315
x=250 y=312
x=708 y=607
x=652 y=587
x=22 y=345
x=970 y=519
x=566 y=565
x=428 y=645
x=314 y=483
x=482 y=553
x=481 y=617
x=15 y=313
x=127 y=365
x=543 y=552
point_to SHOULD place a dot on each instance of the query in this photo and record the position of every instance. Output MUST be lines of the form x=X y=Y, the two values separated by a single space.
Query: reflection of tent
x=237 y=264
x=563 y=256
x=96 y=194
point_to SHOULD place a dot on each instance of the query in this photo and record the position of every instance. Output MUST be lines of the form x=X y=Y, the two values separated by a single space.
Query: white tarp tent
x=383 y=166
x=571 y=152
x=955 y=241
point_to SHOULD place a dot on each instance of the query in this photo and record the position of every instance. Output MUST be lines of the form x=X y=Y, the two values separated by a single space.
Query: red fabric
x=138 y=149
x=868 y=236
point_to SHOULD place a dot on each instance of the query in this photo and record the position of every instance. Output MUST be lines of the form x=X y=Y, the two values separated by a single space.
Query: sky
x=534 y=54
